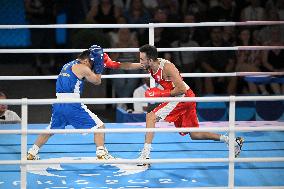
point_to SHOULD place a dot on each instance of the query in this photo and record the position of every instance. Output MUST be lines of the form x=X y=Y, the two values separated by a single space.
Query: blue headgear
x=97 y=57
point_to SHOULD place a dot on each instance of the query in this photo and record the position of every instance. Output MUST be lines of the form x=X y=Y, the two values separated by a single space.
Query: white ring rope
x=235 y=48
x=142 y=130
x=148 y=161
x=132 y=100
x=232 y=74
x=154 y=25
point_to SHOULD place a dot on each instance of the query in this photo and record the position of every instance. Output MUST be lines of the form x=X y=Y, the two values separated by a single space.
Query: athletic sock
x=147 y=146
x=34 y=150
x=224 y=138
x=100 y=148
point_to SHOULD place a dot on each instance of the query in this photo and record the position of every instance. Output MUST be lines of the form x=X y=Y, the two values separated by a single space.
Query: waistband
x=67 y=95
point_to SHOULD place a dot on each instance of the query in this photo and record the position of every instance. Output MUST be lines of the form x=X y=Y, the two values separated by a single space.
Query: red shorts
x=182 y=114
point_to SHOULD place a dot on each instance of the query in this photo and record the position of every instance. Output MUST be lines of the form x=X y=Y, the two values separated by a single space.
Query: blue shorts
x=75 y=114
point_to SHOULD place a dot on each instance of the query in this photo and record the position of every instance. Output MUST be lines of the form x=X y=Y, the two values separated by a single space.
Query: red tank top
x=158 y=75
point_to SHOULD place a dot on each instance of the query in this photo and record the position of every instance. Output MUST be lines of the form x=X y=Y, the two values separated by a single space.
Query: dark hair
x=85 y=55
x=150 y=51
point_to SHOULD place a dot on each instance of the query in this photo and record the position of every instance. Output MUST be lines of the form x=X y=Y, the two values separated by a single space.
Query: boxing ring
x=68 y=159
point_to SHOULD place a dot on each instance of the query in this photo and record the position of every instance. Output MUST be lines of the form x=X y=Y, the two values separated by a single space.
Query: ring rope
x=235 y=48
x=154 y=25
x=148 y=161
x=150 y=100
x=143 y=130
x=232 y=74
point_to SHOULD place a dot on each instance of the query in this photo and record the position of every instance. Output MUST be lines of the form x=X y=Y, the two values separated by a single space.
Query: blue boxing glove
x=97 y=58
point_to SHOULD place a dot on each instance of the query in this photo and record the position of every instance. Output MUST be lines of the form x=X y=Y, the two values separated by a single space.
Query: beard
x=146 y=67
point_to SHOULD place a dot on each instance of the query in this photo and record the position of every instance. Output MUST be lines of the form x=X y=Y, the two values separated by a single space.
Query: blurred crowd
x=172 y=11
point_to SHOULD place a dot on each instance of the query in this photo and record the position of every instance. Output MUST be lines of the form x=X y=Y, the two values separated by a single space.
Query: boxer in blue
x=70 y=82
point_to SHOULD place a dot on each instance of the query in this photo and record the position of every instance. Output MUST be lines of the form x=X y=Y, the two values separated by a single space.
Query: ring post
x=151 y=42
x=232 y=142
x=24 y=126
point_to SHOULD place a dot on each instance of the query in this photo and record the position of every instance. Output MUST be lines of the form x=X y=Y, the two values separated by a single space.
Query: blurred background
x=139 y=12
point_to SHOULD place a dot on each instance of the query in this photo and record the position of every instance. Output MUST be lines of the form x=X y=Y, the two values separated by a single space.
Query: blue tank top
x=67 y=81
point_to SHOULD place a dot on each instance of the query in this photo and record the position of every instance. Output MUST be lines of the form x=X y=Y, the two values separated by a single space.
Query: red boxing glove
x=108 y=63
x=156 y=92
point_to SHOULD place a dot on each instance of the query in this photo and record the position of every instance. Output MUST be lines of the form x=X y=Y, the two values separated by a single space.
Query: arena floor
x=166 y=145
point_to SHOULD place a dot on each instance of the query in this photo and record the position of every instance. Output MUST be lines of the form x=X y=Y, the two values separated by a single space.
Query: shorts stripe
x=164 y=109
x=93 y=116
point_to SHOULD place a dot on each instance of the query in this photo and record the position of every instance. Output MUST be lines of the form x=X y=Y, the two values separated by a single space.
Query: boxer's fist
x=156 y=92
x=96 y=56
x=98 y=68
x=108 y=63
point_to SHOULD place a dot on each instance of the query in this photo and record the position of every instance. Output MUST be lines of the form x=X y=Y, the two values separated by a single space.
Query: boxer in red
x=182 y=114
